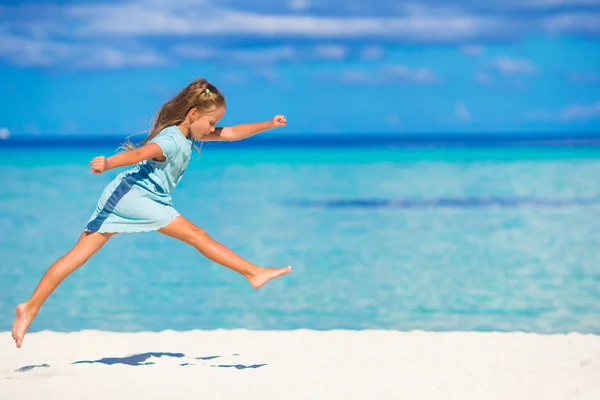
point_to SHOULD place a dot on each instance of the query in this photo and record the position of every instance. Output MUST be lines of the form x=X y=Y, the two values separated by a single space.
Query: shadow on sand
x=134 y=360
x=30 y=367
x=239 y=366
x=142 y=359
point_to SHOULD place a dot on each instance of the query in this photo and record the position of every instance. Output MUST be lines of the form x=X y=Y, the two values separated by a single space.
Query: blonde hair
x=199 y=94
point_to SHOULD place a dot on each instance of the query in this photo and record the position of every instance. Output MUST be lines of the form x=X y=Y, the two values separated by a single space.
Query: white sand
x=304 y=364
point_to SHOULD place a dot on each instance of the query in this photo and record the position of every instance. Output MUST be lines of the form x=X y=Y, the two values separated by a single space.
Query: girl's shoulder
x=170 y=133
x=170 y=141
x=174 y=132
x=171 y=130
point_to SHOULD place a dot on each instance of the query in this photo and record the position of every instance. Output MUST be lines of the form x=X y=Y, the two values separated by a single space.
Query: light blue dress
x=138 y=199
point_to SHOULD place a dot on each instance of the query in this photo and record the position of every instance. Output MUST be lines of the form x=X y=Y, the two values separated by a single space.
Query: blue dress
x=138 y=199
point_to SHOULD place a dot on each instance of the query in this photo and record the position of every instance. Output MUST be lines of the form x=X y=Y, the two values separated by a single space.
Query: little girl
x=138 y=199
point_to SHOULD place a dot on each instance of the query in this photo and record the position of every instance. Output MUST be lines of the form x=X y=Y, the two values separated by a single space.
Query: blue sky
x=104 y=67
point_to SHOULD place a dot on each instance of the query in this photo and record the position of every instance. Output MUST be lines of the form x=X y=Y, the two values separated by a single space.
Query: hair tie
x=207 y=90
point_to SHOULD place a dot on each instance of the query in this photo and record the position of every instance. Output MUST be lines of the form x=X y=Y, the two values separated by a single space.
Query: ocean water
x=443 y=239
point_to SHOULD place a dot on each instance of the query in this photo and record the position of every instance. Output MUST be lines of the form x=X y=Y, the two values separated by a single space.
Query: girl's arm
x=102 y=164
x=242 y=131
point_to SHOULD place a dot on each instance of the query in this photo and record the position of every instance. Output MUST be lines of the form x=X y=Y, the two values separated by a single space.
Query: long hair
x=199 y=94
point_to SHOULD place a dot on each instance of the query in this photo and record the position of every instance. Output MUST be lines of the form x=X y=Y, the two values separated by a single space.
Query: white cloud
x=516 y=6
x=560 y=2
x=462 y=112
x=580 y=112
x=195 y=52
x=415 y=23
x=139 y=18
x=580 y=22
x=263 y=55
x=513 y=66
x=390 y=74
x=299 y=5
x=27 y=52
x=372 y=53
x=330 y=51
x=573 y=112
x=350 y=77
x=428 y=21
x=235 y=77
x=269 y=74
x=126 y=19
x=51 y=35
x=506 y=72
x=32 y=52
x=417 y=75
x=105 y=57
x=472 y=50
x=4 y=133
x=545 y=4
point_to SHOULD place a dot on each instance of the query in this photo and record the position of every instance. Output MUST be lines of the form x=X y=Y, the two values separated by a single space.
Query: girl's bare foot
x=263 y=275
x=21 y=324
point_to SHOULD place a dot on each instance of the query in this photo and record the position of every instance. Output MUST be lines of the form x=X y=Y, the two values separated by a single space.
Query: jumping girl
x=139 y=200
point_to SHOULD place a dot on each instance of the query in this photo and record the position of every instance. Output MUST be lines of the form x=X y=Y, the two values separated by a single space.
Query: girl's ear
x=193 y=115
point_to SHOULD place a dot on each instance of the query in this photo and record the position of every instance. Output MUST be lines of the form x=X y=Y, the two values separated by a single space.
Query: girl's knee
x=198 y=235
x=86 y=247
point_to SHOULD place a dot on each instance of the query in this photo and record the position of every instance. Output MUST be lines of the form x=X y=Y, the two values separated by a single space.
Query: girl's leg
x=87 y=245
x=182 y=229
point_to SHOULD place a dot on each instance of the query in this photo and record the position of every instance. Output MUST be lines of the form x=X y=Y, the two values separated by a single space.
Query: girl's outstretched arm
x=242 y=131
x=101 y=164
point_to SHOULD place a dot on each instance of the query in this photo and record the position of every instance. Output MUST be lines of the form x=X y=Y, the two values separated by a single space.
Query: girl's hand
x=278 y=120
x=98 y=165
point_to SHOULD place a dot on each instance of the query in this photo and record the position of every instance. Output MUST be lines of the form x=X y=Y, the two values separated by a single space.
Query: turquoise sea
x=503 y=238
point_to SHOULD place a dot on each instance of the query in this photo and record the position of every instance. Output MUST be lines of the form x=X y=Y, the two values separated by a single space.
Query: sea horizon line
x=330 y=140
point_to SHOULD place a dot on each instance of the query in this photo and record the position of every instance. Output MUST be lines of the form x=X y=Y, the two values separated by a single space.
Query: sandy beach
x=300 y=364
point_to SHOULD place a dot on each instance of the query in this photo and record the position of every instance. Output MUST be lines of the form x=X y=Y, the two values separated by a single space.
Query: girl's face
x=205 y=124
